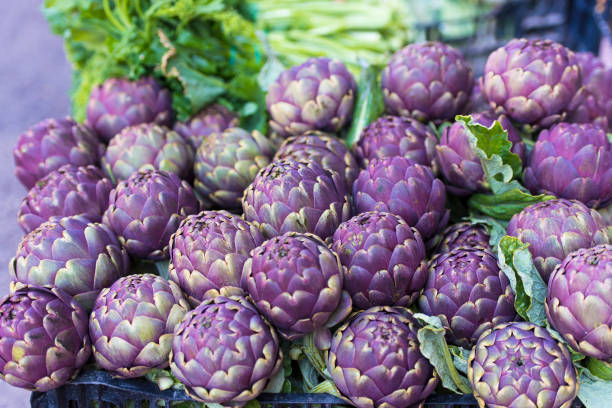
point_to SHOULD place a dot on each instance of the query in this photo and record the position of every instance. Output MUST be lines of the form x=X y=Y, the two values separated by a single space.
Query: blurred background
x=35 y=76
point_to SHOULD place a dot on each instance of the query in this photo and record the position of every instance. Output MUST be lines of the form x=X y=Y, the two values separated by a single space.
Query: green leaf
x=501 y=168
x=600 y=369
x=326 y=387
x=369 y=105
x=594 y=392
x=495 y=228
x=162 y=268
x=432 y=344
x=504 y=205
x=493 y=148
x=309 y=374
x=314 y=355
x=529 y=288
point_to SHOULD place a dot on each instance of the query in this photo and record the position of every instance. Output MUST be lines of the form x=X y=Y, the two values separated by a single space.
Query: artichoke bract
x=428 y=81
x=226 y=163
x=147 y=147
x=572 y=161
x=119 y=103
x=132 y=324
x=72 y=254
x=52 y=143
x=462 y=234
x=316 y=95
x=578 y=303
x=478 y=101
x=66 y=191
x=208 y=251
x=521 y=365
x=288 y=195
x=224 y=352
x=469 y=292
x=375 y=360
x=146 y=209
x=555 y=228
x=594 y=104
x=384 y=259
x=390 y=136
x=295 y=281
x=532 y=81
x=212 y=119
x=400 y=186
x=43 y=338
x=324 y=149
x=460 y=165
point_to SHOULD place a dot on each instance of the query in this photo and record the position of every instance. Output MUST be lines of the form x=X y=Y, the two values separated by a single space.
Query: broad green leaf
x=594 y=392
x=432 y=344
x=503 y=206
x=529 y=288
x=493 y=148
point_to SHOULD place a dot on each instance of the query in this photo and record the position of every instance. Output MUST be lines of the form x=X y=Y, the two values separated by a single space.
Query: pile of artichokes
x=439 y=252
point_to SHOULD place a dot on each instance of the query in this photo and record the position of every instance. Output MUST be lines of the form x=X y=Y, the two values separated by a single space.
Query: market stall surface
x=34 y=85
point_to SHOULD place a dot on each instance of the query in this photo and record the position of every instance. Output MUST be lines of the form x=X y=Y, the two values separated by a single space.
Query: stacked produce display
x=381 y=239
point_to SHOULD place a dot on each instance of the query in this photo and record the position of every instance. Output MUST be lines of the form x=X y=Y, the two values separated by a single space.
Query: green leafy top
x=202 y=50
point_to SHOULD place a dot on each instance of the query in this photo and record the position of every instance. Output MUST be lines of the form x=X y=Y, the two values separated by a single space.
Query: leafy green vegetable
x=202 y=50
x=529 y=288
x=501 y=168
x=434 y=347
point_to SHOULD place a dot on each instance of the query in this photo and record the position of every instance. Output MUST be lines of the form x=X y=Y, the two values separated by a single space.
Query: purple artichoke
x=572 y=161
x=375 y=360
x=593 y=104
x=384 y=259
x=50 y=144
x=578 y=304
x=459 y=165
x=147 y=147
x=468 y=291
x=521 y=365
x=462 y=234
x=405 y=188
x=212 y=119
x=132 y=324
x=427 y=81
x=208 y=251
x=390 y=136
x=72 y=254
x=64 y=192
x=317 y=95
x=224 y=352
x=555 y=228
x=478 y=100
x=324 y=149
x=226 y=163
x=532 y=81
x=146 y=209
x=119 y=103
x=295 y=281
x=43 y=338
x=288 y=195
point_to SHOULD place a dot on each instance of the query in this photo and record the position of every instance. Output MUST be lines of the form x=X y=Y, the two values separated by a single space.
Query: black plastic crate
x=100 y=389
x=570 y=22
